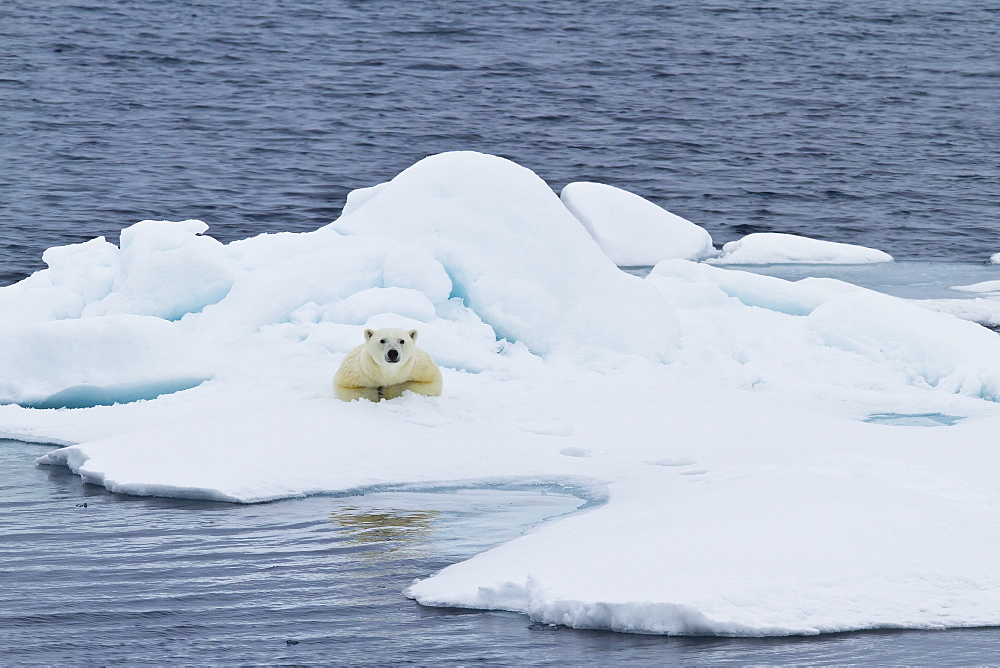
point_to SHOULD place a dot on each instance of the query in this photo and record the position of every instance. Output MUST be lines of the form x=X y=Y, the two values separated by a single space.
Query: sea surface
x=872 y=123
x=867 y=123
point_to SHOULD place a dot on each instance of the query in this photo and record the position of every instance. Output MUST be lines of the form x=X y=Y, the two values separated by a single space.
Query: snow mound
x=494 y=225
x=928 y=349
x=632 y=230
x=163 y=269
x=77 y=275
x=775 y=248
x=167 y=270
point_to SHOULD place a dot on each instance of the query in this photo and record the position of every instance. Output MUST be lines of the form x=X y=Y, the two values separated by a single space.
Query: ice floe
x=740 y=429
x=985 y=287
x=776 y=248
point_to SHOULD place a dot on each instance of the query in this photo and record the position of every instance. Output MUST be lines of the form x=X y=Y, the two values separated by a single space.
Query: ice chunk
x=775 y=248
x=77 y=275
x=167 y=269
x=516 y=255
x=983 y=287
x=632 y=230
x=163 y=268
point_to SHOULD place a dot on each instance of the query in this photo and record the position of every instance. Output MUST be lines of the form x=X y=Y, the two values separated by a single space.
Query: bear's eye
x=401 y=342
x=382 y=341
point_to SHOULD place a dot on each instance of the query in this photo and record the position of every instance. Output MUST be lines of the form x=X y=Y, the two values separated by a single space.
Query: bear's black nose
x=392 y=355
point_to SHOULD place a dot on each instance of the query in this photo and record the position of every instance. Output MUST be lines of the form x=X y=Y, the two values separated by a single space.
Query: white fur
x=387 y=364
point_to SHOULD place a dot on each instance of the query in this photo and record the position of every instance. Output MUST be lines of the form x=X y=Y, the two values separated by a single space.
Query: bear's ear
x=413 y=335
x=369 y=333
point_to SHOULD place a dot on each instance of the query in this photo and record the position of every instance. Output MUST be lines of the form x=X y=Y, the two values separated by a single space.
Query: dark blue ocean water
x=870 y=123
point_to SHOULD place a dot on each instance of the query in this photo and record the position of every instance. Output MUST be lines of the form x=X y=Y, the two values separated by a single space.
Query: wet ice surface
x=963 y=289
x=914 y=420
x=91 y=577
x=910 y=279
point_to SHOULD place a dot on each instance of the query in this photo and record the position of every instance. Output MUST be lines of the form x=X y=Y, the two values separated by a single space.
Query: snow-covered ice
x=777 y=248
x=762 y=446
x=985 y=287
x=983 y=308
x=633 y=231
x=984 y=311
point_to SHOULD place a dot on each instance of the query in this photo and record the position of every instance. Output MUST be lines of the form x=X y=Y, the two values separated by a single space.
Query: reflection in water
x=399 y=529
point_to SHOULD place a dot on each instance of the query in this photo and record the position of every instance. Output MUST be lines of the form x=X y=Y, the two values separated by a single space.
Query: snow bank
x=756 y=483
x=774 y=248
x=632 y=230
x=493 y=225
x=919 y=344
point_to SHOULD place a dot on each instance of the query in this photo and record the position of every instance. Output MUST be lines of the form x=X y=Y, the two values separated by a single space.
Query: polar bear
x=387 y=364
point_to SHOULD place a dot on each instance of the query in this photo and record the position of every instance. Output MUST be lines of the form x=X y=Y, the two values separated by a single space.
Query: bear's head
x=390 y=345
